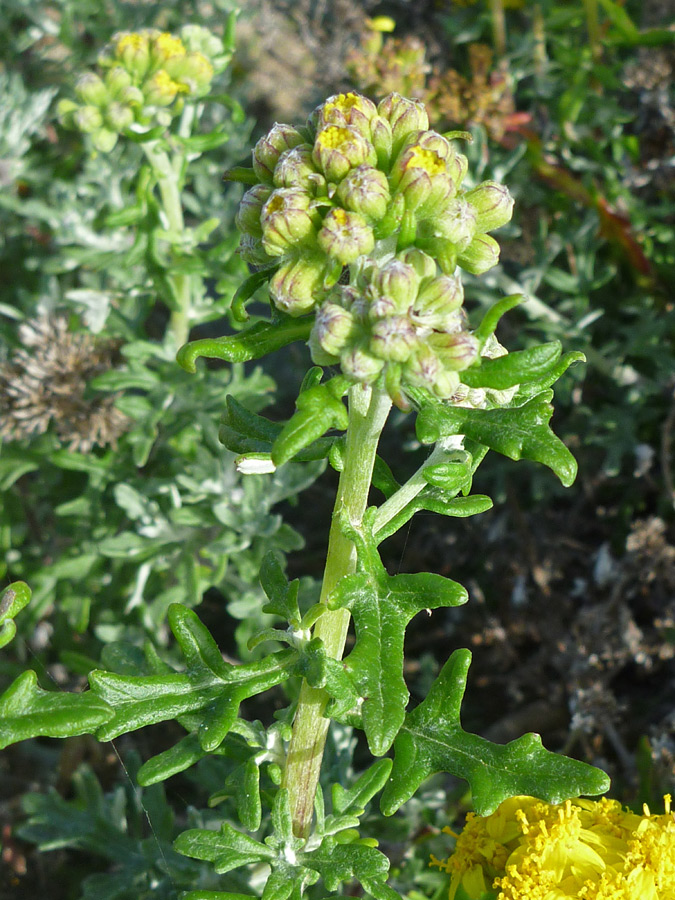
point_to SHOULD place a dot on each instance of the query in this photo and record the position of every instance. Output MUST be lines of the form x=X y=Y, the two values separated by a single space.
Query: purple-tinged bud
x=397 y=282
x=252 y=251
x=432 y=140
x=334 y=328
x=88 y=119
x=358 y=363
x=457 y=223
x=446 y=384
x=481 y=254
x=422 y=368
x=92 y=90
x=119 y=116
x=269 y=148
x=455 y=351
x=287 y=219
x=295 y=169
x=248 y=215
x=297 y=286
x=393 y=339
x=423 y=264
x=493 y=204
x=347 y=109
x=337 y=149
x=365 y=190
x=437 y=303
x=458 y=166
x=404 y=116
x=345 y=236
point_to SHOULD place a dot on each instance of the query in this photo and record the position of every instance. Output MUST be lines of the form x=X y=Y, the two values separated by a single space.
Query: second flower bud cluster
x=145 y=78
x=400 y=319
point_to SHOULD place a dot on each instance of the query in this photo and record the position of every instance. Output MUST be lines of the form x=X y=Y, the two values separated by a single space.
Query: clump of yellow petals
x=580 y=849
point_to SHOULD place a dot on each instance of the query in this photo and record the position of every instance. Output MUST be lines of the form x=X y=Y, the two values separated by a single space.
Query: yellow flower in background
x=577 y=850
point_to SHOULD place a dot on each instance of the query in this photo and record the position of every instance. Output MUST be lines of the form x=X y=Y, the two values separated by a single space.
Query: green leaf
x=382 y=605
x=504 y=372
x=282 y=595
x=354 y=800
x=520 y=432
x=490 y=320
x=433 y=740
x=256 y=341
x=226 y=849
x=318 y=409
x=216 y=895
x=540 y=384
x=209 y=685
x=27 y=711
x=246 y=290
x=14 y=598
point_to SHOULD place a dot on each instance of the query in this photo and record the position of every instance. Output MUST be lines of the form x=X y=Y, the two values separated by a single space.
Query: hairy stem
x=169 y=182
x=368 y=411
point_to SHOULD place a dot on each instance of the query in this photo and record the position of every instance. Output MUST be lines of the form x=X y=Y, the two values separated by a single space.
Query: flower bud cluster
x=401 y=319
x=144 y=80
x=374 y=189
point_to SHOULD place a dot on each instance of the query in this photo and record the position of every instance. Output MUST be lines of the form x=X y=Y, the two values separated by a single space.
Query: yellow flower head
x=581 y=849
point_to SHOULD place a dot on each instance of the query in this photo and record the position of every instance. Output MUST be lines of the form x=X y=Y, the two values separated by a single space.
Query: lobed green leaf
x=433 y=740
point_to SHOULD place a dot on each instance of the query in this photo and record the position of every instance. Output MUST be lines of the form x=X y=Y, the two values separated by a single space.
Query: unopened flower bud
x=247 y=219
x=345 y=236
x=458 y=166
x=347 y=109
x=422 y=263
x=393 y=339
x=198 y=39
x=118 y=116
x=88 y=119
x=337 y=149
x=455 y=351
x=481 y=254
x=493 y=204
x=457 y=223
x=358 y=363
x=422 y=368
x=161 y=89
x=132 y=49
x=295 y=169
x=287 y=219
x=117 y=80
x=104 y=139
x=382 y=139
x=91 y=90
x=437 y=303
x=397 y=282
x=405 y=116
x=365 y=190
x=66 y=110
x=333 y=328
x=298 y=285
x=269 y=148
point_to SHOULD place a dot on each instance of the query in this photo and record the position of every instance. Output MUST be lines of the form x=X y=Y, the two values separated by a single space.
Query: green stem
x=414 y=485
x=169 y=177
x=593 y=26
x=368 y=411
